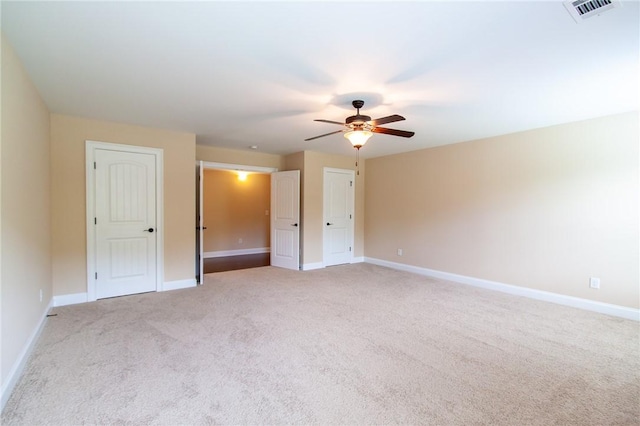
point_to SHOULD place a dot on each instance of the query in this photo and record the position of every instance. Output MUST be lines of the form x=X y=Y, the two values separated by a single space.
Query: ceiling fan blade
x=385 y=120
x=393 y=132
x=329 y=121
x=326 y=134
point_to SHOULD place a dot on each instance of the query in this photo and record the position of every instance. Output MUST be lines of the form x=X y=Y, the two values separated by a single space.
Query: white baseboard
x=73 y=299
x=70 y=299
x=312 y=266
x=561 y=299
x=240 y=252
x=179 y=284
x=21 y=361
x=320 y=265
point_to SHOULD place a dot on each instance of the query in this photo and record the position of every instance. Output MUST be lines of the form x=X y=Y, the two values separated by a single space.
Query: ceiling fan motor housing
x=357 y=119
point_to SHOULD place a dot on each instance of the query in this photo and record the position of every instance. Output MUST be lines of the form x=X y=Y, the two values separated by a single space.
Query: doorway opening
x=234 y=217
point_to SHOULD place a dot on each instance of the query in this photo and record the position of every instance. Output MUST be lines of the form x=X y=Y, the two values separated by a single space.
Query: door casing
x=90 y=149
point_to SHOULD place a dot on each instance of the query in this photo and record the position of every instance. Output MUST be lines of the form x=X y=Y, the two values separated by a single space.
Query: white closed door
x=125 y=223
x=338 y=207
x=285 y=219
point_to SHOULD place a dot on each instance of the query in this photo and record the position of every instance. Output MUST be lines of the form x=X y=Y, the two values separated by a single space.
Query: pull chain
x=357 y=161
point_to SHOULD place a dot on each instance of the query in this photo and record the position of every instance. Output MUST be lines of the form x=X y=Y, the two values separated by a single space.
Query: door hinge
x=349 y=248
x=350 y=183
x=94 y=165
x=95 y=220
x=96 y=275
x=349 y=216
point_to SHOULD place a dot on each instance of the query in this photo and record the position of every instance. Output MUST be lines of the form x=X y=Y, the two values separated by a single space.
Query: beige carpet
x=355 y=344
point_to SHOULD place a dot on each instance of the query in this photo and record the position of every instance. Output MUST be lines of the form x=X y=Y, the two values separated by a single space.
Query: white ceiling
x=257 y=73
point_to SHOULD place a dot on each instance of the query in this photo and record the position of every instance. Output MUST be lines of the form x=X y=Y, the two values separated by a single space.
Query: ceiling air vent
x=584 y=9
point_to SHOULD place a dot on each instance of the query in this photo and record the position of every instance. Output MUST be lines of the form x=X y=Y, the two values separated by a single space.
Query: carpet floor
x=353 y=344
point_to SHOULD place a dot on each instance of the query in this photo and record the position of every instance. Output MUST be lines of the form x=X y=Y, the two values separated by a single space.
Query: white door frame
x=90 y=148
x=352 y=230
x=236 y=167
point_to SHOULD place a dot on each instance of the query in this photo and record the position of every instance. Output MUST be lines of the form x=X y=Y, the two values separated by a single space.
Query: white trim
x=345 y=171
x=561 y=299
x=237 y=167
x=358 y=259
x=21 y=360
x=179 y=284
x=312 y=266
x=239 y=252
x=90 y=147
x=70 y=299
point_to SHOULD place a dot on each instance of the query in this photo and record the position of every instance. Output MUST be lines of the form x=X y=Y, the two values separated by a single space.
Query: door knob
x=329 y=224
x=294 y=224
x=148 y=230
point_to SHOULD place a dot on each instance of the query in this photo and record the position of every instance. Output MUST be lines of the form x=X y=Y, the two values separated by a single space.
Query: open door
x=199 y=222
x=285 y=219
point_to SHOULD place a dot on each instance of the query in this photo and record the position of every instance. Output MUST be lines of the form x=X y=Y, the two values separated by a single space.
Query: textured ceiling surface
x=257 y=73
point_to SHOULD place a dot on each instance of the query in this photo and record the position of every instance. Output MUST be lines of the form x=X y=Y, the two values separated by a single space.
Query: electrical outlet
x=399 y=252
x=41 y=295
x=266 y=212
x=239 y=240
x=594 y=282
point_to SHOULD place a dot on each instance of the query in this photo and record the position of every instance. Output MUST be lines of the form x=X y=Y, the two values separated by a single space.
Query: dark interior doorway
x=232 y=263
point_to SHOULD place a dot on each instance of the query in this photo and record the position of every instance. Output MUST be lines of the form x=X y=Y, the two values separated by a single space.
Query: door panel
x=285 y=219
x=200 y=222
x=338 y=217
x=125 y=223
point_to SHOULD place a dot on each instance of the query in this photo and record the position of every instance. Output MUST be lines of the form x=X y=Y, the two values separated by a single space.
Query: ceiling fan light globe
x=358 y=137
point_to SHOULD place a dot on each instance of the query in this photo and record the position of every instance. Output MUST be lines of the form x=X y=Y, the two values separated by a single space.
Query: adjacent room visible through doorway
x=236 y=220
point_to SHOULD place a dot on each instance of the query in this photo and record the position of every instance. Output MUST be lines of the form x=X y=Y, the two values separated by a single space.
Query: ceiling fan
x=359 y=128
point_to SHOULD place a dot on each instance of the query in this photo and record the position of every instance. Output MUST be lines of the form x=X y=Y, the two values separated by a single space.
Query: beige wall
x=544 y=209
x=294 y=161
x=312 y=175
x=68 y=136
x=25 y=210
x=235 y=156
x=235 y=210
